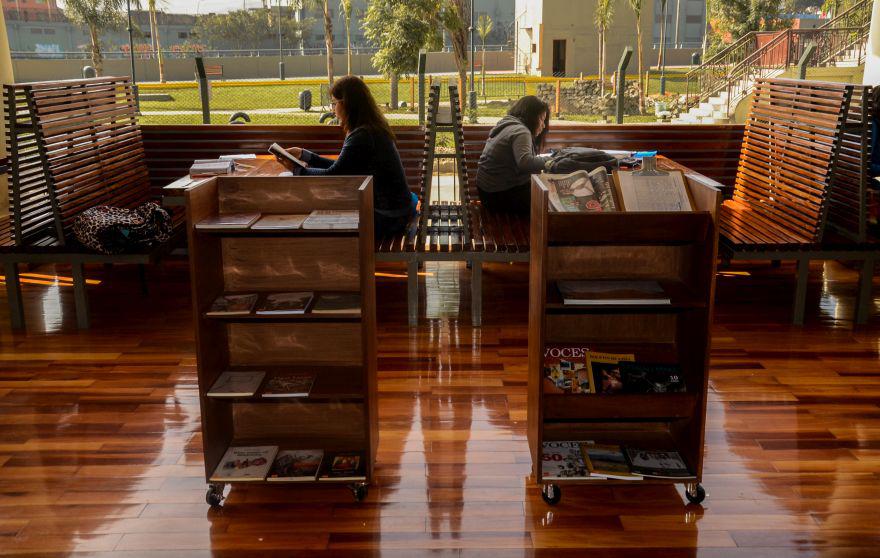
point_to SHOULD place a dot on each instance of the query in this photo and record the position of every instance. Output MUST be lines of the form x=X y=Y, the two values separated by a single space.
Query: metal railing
x=217 y=53
x=736 y=68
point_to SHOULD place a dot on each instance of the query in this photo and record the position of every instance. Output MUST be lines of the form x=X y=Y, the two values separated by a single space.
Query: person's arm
x=353 y=158
x=316 y=161
x=524 y=154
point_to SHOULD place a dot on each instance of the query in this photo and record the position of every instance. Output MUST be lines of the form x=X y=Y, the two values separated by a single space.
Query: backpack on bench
x=571 y=159
x=116 y=230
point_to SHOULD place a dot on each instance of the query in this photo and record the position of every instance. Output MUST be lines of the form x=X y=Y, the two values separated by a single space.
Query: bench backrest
x=171 y=149
x=789 y=152
x=74 y=144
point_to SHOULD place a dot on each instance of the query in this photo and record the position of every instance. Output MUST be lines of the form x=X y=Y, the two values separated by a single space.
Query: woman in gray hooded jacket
x=510 y=156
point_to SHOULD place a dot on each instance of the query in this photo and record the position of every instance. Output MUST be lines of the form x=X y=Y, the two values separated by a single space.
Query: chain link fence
x=306 y=101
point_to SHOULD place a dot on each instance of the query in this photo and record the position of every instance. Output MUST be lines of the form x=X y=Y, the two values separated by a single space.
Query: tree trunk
x=154 y=31
x=662 y=34
x=640 y=81
x=601 y=61
x=348 y=43
x=395 y=80
x=328 y=40
x=97 y=59
x=483 y=71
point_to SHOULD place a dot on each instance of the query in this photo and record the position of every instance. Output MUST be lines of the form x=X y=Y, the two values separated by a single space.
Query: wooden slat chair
x=74 y=145
x=790 y=158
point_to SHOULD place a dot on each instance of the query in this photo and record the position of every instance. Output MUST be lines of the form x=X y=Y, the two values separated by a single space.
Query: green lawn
x=286 y=96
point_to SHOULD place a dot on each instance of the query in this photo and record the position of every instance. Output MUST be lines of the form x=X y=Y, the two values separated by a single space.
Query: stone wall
x=582 y=97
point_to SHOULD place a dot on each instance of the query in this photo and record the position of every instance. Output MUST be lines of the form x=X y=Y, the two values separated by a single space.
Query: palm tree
x=662 y=33
x=324 y=5
x=154 y=34
x=602 y=19
x=345 y=7
x=97 y=15
x=636 y=6
x=454 y=19
x=484 y=27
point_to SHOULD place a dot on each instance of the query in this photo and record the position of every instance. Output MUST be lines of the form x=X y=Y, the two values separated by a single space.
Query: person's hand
x=295 y=151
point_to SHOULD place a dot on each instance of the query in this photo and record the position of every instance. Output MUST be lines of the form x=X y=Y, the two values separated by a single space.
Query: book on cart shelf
x=581 y=191
x=285 y=304
x=227 y=221
x=665 y=191
x=612 y=292
x=237 y=384
x=337 y=303
x=232 y=305
x=289 y=385
x=296 y=466
x=657 y=464
x=331 y=219
x=563 y=460
x=277 y=222
x=605 y=370
x=645 y=377
x=563 y=365
x=347 y=466
x=607 y=461
x=245 y=463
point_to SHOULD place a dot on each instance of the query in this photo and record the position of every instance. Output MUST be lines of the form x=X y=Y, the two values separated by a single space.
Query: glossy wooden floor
x=100 y=451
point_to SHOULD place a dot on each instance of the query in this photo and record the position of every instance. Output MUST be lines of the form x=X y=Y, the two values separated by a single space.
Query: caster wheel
x=359 y=492
x=551 y=494
x=214 y=497
x=695 y=493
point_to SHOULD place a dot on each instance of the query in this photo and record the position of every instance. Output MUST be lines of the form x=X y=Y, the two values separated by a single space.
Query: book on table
x=563 y=460
x=563 y=367
x=292 y=384
x=227 y=221
x=332 y=219
x=296 y=466
x=280 y=304
x=657 y=463
x=232 y=305
x=211 y=167
x=279 y=222
x=607 y=461
x=581 y=191
x=337 y=303
x=245 y=463
x=237 y=384
x=345 y=466
x=612 y=291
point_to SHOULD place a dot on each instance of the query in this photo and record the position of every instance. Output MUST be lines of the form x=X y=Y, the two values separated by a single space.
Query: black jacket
x=366 y=152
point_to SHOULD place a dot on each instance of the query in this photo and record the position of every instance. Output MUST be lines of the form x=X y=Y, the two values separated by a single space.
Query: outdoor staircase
x=716 y=87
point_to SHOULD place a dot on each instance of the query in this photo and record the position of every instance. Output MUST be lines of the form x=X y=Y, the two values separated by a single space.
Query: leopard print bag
x=116 y=230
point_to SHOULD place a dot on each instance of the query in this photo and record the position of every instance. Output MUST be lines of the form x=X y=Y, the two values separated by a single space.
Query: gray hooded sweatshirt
x=509 y=158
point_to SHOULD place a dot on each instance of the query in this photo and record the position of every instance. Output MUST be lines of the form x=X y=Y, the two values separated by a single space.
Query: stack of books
x=578 y=369
x=211 y=167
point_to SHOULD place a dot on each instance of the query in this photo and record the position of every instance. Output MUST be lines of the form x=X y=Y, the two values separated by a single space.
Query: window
x=48 y=31
x=36 y=31
x=182 y=35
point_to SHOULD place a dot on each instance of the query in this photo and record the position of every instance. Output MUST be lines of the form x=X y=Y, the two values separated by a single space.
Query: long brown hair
x=530 y=110
x=360 y=107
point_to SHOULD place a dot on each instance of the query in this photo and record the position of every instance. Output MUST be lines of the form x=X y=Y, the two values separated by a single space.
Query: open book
x=581 y=191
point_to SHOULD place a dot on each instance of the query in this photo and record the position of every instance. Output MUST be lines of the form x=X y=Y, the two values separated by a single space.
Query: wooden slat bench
x=74 y=145
x=790 y=164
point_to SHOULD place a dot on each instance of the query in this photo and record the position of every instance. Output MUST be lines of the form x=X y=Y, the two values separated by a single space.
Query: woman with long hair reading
x=369 y=149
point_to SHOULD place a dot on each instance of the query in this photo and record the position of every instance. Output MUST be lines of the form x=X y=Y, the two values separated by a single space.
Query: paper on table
x=654 y=193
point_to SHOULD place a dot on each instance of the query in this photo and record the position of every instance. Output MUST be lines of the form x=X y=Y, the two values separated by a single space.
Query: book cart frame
x=340 y=414
x=679 y=250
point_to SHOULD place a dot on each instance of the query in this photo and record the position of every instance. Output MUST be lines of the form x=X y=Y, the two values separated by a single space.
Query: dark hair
x=530 y=110
x=360 y=107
